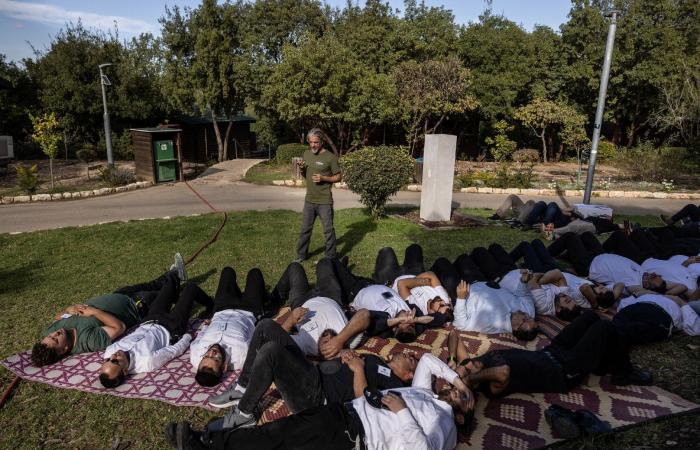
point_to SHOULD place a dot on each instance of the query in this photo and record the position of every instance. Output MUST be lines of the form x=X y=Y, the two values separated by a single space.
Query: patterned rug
x=516 y=422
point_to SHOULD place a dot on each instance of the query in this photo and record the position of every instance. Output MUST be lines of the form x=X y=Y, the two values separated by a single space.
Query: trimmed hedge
x=286 y=152
x=377 y=173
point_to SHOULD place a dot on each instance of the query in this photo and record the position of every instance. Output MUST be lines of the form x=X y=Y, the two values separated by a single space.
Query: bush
x=122 y=148
x=27 y=178
x=286 y=152
x=527 y=156
x=376 y=173
x=115 y=176
x=650 y=164
x=477 y=178
x=501 y=147
x=606 y=150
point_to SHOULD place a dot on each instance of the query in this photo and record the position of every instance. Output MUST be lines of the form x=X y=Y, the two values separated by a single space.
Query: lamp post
x=601 y=104
x=104 y=81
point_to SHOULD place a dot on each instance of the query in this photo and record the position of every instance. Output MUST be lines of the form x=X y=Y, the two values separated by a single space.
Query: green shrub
x=500 y=146
x=115 y=176
x=376 y=173
x=286 y=152
x=606 y=150
x=27 y=178
x=477 y=178
x=527 y=156
x=122 y=149
x=650 y=164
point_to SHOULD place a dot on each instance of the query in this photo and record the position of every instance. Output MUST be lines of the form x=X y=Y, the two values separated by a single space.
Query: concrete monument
x=438 y=177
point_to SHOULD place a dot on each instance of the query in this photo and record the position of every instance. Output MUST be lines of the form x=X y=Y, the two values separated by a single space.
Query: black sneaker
x=590 y=423
x=563 y=422
x=495 y=217
x=635 y=377
x=185 y=438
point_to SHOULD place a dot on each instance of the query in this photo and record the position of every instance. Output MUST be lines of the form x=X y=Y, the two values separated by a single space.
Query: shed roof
x=156 y=130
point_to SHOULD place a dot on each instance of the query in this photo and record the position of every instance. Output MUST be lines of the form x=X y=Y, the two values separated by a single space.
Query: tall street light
x=104 y=81
x=601 y=104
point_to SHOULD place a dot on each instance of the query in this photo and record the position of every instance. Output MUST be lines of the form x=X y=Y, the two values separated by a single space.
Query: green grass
x=42 y=272
x=266 y=173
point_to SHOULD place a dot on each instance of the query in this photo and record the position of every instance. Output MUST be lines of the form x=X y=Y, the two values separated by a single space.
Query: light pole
x=104 y=81
x=601 y=104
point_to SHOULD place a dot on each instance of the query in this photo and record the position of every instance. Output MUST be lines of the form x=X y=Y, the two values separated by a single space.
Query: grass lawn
x=266 y=173
x=42 y=272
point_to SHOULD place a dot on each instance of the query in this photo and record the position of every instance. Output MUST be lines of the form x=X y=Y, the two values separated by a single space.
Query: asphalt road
x=178 y=200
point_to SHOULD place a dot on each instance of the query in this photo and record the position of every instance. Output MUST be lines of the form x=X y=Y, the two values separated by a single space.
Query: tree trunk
x=65 y=143
x=217 y=133
x=51 y=171
x=226 y=140
x=544 y=147
x=330 y=142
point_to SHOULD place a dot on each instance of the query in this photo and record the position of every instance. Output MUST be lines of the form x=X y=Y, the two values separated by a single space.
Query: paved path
x=225 y=194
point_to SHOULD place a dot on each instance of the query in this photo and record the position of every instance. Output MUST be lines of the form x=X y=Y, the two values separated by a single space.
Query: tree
x=429 y=92
x=202 y=56
x=545 y=116
x=501 y=147
x=17 y=101
x=679 y=109
x=47 y=135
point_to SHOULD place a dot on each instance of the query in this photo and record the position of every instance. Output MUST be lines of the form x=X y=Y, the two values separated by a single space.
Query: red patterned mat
x=516 y=422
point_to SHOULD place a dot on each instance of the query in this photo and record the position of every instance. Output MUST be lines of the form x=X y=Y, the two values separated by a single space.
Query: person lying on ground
x=222 y=342
x=411 y=417
x=531 y=212
x=160 y=338
x=689 y=216
x=587 y=345
x=488 y=308
x=303 y=384
x=425 y=292
x=387 y=268
x=321 y=325
x=652 y=317
x=81 y=329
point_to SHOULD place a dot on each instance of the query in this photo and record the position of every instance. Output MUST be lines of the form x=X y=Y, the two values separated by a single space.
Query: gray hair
x=316 y=132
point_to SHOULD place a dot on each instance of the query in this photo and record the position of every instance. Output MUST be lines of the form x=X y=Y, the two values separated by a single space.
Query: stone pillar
x=438 y=177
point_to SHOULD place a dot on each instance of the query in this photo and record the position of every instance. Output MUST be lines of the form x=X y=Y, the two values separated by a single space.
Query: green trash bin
x=165 y=161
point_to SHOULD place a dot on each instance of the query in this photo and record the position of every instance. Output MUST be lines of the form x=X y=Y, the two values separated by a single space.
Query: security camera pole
x=601 y=104
x=104 y=81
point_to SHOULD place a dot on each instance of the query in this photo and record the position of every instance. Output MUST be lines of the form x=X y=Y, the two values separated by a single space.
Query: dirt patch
x=558 y=171
x=70 y=172
x=457 y=221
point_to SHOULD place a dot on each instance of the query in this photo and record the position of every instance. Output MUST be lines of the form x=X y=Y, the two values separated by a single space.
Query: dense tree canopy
x=371 y=74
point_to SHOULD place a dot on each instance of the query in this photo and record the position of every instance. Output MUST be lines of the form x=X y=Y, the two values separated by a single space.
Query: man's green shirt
x=90 y=336
x=326 y=164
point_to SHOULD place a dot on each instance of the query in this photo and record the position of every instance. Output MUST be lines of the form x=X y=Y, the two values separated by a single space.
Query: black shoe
x=495 y=217
x=635 y=376
x=563 y=422
x=590 y=423
x=171 y=434
x=188 y=439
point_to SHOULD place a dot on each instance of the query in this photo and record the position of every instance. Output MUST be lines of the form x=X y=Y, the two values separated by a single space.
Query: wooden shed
x=199 y=141
x=157 y=153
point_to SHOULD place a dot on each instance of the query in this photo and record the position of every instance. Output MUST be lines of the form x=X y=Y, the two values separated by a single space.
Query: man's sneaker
x=665 y=219
x=180 y=266
x=182 y=437
x=563 y=422
x=635 y=377
x=237 y=419
x=227 y=399
x=495 y=217
x=590 y=423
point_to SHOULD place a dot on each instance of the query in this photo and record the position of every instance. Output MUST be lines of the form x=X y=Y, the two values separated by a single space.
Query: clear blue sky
x=23 y=22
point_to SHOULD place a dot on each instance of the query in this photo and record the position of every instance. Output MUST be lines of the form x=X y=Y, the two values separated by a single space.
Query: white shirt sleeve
x=429 y=365
x=691 y=321
x=411 y=433
x=161 y=356
x=461 y=316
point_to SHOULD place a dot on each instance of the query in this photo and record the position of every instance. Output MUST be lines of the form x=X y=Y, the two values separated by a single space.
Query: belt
x=355 y=431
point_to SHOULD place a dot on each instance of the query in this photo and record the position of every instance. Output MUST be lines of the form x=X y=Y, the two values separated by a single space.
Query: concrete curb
x=74 y=195
x=535 y=192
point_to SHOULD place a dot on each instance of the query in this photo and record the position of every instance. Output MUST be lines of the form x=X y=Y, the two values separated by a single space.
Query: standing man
x=321 y=169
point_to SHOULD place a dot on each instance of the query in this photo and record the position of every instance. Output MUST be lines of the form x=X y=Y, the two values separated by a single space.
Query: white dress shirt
x=544 y=297
x=672 y=272
x=684 y=318
x=377 y=297
x=324 y=313
x=693 y=268
x=232 y=329
x=422 y=295
x=149 y=348
x=488 y=310
x=608 y=268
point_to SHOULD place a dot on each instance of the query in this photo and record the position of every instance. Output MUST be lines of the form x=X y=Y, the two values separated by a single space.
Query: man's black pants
x=387 y=268
x=317 y=428
x=494 y=262
x=273 y=356
x=229 y=295
x=580 y=250
x=144 y=294
x=643 y=323
x=535 y=256
x=175 y=320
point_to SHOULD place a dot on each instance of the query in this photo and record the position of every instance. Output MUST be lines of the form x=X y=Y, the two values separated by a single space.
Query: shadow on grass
x=354 y=235
x=199 y=279
x=19 y=278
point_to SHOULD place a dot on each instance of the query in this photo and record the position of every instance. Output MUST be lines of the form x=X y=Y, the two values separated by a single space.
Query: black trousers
x=578 y=250
x=602 y=225
x=620 y=244
x=535 y=256
x=175 y=320
x=229 y=295
x=144 y=294
x=547 y=213
x=293 y=285
x=643 y=323
x=318 y=428
x=387 y=268
x=450 y=274
x=336 y=281
x=689 y=211
x=494 y=262
x=273 y=356
x=590 y=344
